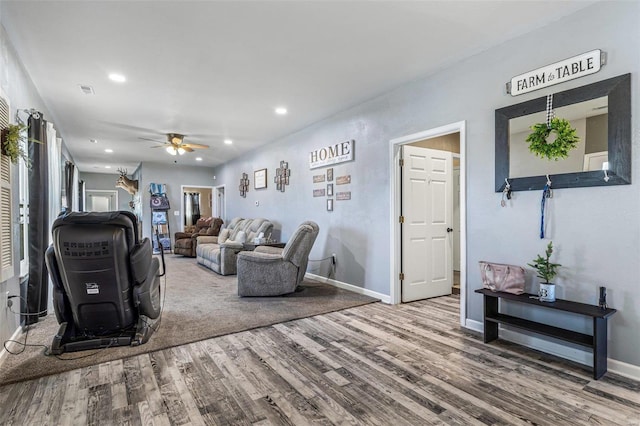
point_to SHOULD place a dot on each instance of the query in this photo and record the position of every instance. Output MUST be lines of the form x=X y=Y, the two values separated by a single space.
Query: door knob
x=449 y=229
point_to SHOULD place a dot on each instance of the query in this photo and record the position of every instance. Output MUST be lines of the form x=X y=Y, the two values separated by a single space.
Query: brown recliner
x=186 y=242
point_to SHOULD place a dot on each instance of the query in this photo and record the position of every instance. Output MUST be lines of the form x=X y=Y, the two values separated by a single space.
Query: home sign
x=559 y=72
x=332 y=154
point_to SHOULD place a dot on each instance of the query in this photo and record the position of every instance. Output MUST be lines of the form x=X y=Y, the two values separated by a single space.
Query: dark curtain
x=69 y=169
x=195 y=207
x=36 y=292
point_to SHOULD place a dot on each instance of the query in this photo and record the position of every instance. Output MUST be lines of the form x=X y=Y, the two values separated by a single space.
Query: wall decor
x=244 y=185
x=318 y=192
x=282 y=176
x=525 y=172
x=329 y=189
x=329 y=175
x=260 y=179
x=318 y=178
x=329 y=204
x=559 y=72
x=333 y=154
x=343 y=195
x=343 y=180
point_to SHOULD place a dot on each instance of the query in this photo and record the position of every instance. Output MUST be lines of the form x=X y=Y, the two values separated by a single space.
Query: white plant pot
x=547 y=292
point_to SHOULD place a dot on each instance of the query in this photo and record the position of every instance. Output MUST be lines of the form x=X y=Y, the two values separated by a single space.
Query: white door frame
x=182 y=187
x=395 y=197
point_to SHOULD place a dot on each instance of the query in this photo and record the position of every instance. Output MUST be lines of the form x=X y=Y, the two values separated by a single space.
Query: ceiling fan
x=175 y=144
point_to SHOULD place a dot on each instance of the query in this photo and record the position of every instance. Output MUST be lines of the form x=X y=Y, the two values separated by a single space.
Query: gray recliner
x=272 y=272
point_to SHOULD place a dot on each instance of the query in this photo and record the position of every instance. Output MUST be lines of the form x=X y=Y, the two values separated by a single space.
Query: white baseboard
x=578 y=355
x=3 y=351
x=346 y=286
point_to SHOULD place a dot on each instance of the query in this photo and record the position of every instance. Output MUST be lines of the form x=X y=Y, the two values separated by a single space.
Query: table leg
x=490 y=310
x=599 y=347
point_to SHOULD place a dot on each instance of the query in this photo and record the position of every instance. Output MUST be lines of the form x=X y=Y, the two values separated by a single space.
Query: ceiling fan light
x=181 y=151
x=171 y=150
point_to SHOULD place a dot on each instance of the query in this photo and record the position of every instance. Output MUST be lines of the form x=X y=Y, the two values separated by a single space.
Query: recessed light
x=118 y=78
x=108 y=150
x=107 y=167
x=93 y=140
x=228 y=141
x=281 y=111
x=198 y=158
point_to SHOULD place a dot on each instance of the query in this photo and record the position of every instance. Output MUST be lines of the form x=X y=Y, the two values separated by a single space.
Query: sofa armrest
x=207 y=240
x=269 y=249
x=232 y=245
x=258 y=257
x=182 y=235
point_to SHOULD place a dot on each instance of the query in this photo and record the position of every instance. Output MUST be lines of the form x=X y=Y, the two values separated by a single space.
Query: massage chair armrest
x=60 y=303
x=140 y=259
x=207 y=239
x=146 y=295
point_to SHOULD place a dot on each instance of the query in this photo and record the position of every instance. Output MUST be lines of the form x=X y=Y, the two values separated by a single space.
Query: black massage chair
x=106 y=284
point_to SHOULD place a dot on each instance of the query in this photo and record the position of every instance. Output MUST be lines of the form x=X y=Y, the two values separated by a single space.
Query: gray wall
x=107 y=181
x=596 y=230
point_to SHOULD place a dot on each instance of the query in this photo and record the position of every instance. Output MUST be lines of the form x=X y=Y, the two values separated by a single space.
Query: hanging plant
x=566 y=139
x=11 y=146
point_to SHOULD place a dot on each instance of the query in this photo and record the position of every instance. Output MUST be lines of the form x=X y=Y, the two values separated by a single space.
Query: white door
x=456 y=218
x=219 y=202
x=101 y=201
x=427 y=207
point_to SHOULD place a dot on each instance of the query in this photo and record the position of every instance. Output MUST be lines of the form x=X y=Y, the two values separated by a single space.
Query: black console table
x=597 y=342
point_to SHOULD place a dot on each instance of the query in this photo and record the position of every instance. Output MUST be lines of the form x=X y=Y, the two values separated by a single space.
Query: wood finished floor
x=376 y=364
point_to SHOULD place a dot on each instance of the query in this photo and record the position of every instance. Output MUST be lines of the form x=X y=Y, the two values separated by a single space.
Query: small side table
x=252 y=246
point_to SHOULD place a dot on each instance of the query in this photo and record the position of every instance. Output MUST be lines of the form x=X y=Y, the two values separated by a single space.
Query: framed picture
x=330 y=174
x=260 y=179
x=330 y=204
x=329 y=189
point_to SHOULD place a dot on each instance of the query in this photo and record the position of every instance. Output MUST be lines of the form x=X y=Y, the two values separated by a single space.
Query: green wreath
x=566 y=139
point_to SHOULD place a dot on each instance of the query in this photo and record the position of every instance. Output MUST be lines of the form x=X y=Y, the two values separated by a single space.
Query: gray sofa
x=220 y=253
x=267 y=271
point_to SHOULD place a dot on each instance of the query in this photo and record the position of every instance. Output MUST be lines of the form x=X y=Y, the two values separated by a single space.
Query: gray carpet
x=199 y=304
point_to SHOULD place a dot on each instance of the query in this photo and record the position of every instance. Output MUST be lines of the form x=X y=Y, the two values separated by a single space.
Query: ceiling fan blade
x=152 y=140
x=195 y=145
x=186 y=148
x=160 y=146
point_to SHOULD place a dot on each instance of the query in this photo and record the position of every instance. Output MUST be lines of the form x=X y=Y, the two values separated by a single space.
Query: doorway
x=219 y=209
x=101 y=200
x=196 y=203
x=456 y=131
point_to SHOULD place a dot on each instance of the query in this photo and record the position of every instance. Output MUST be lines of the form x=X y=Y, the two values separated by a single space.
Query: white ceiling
x=216 y=70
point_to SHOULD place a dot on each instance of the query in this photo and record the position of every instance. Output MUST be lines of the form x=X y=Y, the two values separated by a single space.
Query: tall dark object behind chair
x=106 y=288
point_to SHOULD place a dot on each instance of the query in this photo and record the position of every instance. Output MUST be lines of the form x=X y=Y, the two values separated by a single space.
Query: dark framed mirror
x=601 y=113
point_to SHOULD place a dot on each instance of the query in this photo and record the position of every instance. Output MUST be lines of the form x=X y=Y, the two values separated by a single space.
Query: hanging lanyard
x=546 y=193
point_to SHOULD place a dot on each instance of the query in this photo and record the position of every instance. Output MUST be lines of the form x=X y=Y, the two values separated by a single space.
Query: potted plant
x=546 y=270
x=11 y=146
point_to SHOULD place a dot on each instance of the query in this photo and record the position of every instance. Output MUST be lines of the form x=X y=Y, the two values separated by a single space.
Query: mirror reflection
x=590 y=120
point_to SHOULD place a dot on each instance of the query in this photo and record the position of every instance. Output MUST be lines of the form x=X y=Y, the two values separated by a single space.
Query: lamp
x=171 y=150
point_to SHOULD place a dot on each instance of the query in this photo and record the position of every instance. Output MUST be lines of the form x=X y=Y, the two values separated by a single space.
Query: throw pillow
x=224 y=236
